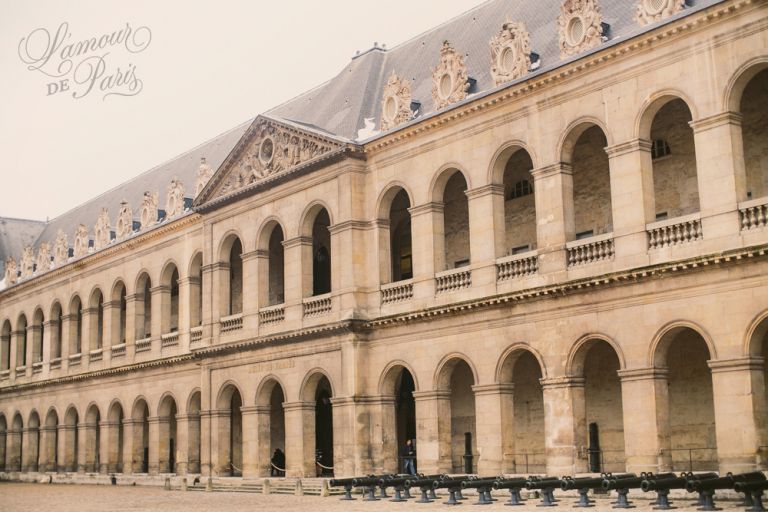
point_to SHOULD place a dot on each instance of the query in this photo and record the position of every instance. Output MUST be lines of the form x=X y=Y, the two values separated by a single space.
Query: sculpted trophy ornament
x=101 y=231
x=124 y=222
x=396 y=102
x=148 y=211
x=510 y=53
x=174 y=199
x=450 y=81
x=651 y=11
x=11 y=271
x=204 y=173
x=60 y=249
x=27 y=263
x=81 y=239
x=579 y=26
x=43 y=258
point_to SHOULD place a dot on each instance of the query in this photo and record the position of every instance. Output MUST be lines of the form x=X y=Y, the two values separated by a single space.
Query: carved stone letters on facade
x=450 y=81
x=204 y=173
x=43 y=258
x=11 y=271
x=174 y=200
x=396 y=102
x=27 y=263
x=148 y=211
x=510 y=53
x=81 y=238
x=60 y=249
x=579 y=26
x=124 y=222
x=651 y=11
x=101 y=231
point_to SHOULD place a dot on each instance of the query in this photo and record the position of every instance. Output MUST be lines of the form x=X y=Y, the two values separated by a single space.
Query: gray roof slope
x=15 y=235
x=184 y=167
x=341 y=104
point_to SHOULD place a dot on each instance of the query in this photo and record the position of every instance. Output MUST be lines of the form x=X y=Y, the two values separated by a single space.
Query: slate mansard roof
x=340 y=106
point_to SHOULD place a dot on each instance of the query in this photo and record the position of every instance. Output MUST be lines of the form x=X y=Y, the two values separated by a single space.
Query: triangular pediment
x=269 y=150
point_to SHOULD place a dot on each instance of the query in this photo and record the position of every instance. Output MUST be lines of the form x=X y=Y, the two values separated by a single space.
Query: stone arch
x=395 y=237
x=265 y=387
x=167 y=409
x=21 y=340
x=265 y=230
x=270 y=239
x=143 y=305
x=32 y=462
x=231 y=251
x=230 y=429
x=96 y=318
x=311 y=211
x=270 y=397
x=226 y=391
x=167 y=399
x=194 y=401
x=5 y=345
x=653 y=104
x=3 y=438
x=756 y=332
x=502 y=155
x=310 y=382
x=192 y=411
x=315 y=223
x=507 y=359
x=441 y=177
x=660 y=344
x=576 y=129
x=387 y=195
x=70 y=442
x=756 y=348
x=225 y=244
x=119 y=315
x=442 y=376
x=388 y=377
x=734 y=90
x=169 y=299
x=38 y=334
x=93 y=457
x=115 y=436
x=56 y=319
x=195 y=274
x=140 y=457
x=452 y=248
x=14 y=455
x=397 y=384
x=49 y=440
x=454 y=381
x=317 y=388
x=574 y=365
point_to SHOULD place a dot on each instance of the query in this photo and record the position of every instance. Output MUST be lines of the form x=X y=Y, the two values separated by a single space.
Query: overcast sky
x=187 y=72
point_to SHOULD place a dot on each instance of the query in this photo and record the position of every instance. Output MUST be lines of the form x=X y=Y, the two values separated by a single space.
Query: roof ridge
x=23 y=220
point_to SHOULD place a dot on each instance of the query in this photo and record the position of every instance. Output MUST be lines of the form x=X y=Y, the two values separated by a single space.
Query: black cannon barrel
x=510 y=483
x=542 y=483
x=478 y=482
x=341 y=482
x=724 y=482
x=569 y=484
x=754 y=485
x=421 y=482
x=624 y=482
x=366 y=481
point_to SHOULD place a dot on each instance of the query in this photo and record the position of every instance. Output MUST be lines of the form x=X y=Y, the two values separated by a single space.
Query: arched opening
x=673 y=154
x=170 y=303
x=14 y=455
x=3 y=442
x=75 y=326
x=272 y=395
x=584 y=150
x=455 y=222
x=193 y=433
x=602 y=430
x=140 y=417
x=70 y=440
x=235 y=295
x=33 y=443
x=754 y=129
x=691 y=411
x=57 y=331
x=230 y=432
x=21 y=343
x=321 y=253
x=758 y=347
x=168 y=438
x=38 y=332
x=457 y=377
x=324 y=428
x=96 y=313
x=50 y=441
x=119 y=313
x=523 y=429
x=92 y=439
x=116 y=437
x=5 y=346
x=276 y=267
x=196 y=291
x=519 y=203
x=143 y=302
x=400 y=385
x=400 y=241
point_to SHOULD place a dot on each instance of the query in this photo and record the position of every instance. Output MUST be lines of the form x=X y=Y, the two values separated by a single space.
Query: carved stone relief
x=11 y=271
x=450 y=81
x=27 y=263
x=204 y=173
x=81 y=238
x=510 y=53
x=60 y=249
x=43 y=258
x=174 y=200
x=651 y=11
x=148 y=211
x=396 y=102
x=124 y=222
x=579 y=26
x=101 y=231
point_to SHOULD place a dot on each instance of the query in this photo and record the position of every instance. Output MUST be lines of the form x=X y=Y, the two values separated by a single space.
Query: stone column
x=3 y=444
x=29 y=449
x=13 y=450
x=32 y=332
x=66 y=340
x=5 y=352
x=161 y=318
x=261 y=437
x=92 y=448
x=110 y=447
x=48 y=327
x=206 y=443
x=89 y=334
x=220 y=421
x=251 y=440
x=154 y=444
x=299 y=438
x=186 y=297
x=66 y=434
x=433 y=431
x=298 y=276
x=645 y=395
x=111 y=328
x=494 y=410
x=182 y=444
x=632 y=199
x=486 y=234
x=428 y=247
x=47 y=447
x=210 y=302
x=82 y=447
x=250 y=291
x=219 y=293
x=734 y=382
x=553 y=190
x=565 y=436
x=384 y=441
x=351 y=436
x=132 y=304
x=105 y=454
x=18 y=350
x=129 y=427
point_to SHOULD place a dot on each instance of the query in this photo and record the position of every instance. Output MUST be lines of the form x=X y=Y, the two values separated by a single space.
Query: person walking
x=409 y=456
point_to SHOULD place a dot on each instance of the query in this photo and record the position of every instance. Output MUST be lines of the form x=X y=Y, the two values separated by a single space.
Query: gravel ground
x=18 y=497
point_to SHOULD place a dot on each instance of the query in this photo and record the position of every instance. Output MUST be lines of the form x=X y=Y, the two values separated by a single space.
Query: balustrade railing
x=399 y=291
x=590 y=250
x=74 y=359
x=95 y=355
x=231 y=322
x=196 y=334
x=452 y=280
x=677 y=231
x=143 y=345
x=317 y=306
x=519 y=265
x=55 y=363
x=37 y=367
x=170 y=339
x=4 y=374
x=754 y=214
x=272 y=314
x=118 y=350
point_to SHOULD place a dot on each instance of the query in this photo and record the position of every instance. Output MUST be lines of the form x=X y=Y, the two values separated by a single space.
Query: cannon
x=707 y=487
x=754 y=489
x=583 y=486
x=514 y=485
x=397 y=482
x=547 y=486
x=369 y=484
x=483 y=486
x=425 y=484
x=347 y=483
x=622 y=484
x=661 y=484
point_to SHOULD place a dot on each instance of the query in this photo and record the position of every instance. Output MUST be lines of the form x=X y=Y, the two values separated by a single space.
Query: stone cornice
x=491 y=189
x=740 y=364
x=551 y=170
x=635 y=374
x=562 y=382
x=348 y=225
x=723 y=118
x=426 y=208
x=432 y=394
x=630 y=146
x=298 y=406
x=547 y=77
x=506 y=388
x=297 y=241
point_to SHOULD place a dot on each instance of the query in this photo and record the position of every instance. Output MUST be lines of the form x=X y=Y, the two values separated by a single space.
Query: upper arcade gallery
x=588 y=205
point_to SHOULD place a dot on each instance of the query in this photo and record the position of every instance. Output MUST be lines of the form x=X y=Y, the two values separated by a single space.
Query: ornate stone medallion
x=579 y=26
x=396 y=102
x=174 y=199
x=124 y=223
x=11 y=271
x=450 y=81
x=60 y=249
x=43 y=258
x=204 y=173
x=148 y=210
x=651 y=11
x=81 y=237
x=27 y=263
x=101 y=231
x=510 y=53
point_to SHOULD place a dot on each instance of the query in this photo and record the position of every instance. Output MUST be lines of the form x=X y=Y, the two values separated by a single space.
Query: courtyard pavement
x=19 y=497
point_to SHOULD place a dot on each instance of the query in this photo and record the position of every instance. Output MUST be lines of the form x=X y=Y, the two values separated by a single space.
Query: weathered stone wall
x=456 y=221
x=755 y=134
x=462 y=414
x=591 y=183
x=519 y=213
x=528 y=415
x=276 y=267
x=602 y=391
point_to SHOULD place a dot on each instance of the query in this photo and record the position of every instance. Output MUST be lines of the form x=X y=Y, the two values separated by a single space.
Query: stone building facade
x=540 y=231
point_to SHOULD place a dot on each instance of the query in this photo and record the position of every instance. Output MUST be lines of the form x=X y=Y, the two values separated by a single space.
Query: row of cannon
x=752 y=485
